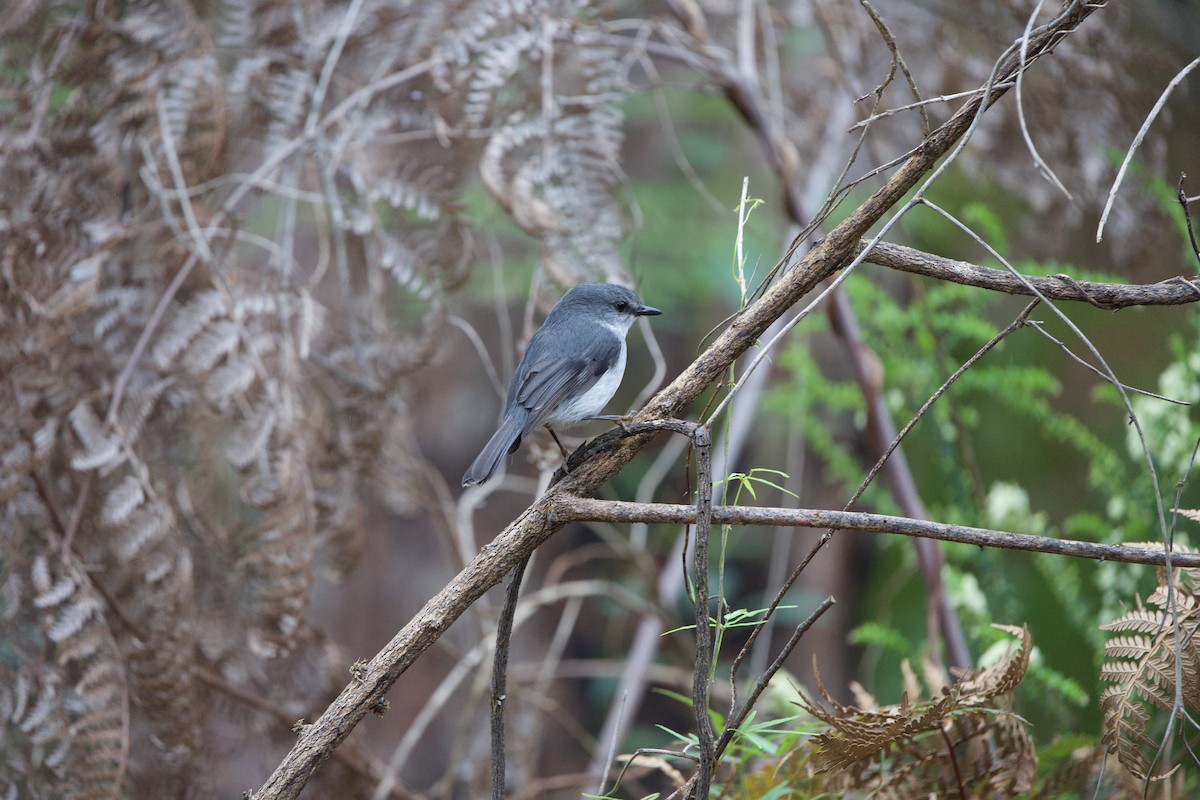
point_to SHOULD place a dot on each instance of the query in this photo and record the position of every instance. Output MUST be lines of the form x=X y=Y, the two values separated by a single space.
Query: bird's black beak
x=647 y=311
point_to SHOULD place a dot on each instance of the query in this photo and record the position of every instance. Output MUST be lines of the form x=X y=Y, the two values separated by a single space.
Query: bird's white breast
x=591 y=402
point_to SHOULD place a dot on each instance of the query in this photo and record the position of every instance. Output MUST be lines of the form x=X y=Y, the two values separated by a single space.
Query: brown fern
x=1152 y=642
x=193 y=405
x=964 y=739
x=65 y=707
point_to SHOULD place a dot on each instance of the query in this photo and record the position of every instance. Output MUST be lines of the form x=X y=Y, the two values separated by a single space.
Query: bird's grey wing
x=547 y=382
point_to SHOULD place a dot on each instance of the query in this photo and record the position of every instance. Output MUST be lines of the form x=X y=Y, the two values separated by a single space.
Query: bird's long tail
x=506 y=440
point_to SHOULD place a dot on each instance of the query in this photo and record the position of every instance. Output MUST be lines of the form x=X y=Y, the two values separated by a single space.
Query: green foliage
x=821 y=407
x=873 y=634
x=745 y=481
x=987 y=223
x=1016 y=444
x=1171 y=431
x=746 y=207
x=760 y=739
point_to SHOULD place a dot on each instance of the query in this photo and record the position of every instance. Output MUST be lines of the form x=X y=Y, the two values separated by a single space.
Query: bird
x=571 y=368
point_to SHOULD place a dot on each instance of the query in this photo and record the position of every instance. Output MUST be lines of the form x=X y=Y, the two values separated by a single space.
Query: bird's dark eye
x=621 y=306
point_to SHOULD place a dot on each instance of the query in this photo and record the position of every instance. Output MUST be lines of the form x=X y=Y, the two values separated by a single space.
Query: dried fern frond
x=551 y=158
x=27 y=451
x=963 y=739
x=151 y=570
x=64 y=699
x=203 y=365
x=100 y=448
x=1152 y=642
x=1001 y=678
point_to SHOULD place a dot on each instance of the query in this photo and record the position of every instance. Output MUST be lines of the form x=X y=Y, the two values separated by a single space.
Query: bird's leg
x=561 y=449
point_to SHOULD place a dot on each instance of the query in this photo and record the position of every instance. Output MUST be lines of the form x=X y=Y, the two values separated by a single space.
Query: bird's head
x=608 y=303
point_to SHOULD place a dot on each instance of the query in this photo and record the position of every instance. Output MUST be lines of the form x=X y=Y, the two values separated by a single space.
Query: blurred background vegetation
x=382 y=279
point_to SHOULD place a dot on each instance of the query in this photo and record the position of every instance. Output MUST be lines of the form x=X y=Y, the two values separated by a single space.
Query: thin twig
x=962 y=789
x=338 y=227
x=1038 y=161
x=345 y=28
x=1037 y=326
x=897 y=63
x=945 y=98
x=481 y=349
x=736 y=719
x=504 y=626
x=747 y=61
x=656 y=358
x=85 y=492
x=1137 y=141
x=774 y=83
x=1184 y=202
x=612 y=744
x=185 y=202
x=631 y=760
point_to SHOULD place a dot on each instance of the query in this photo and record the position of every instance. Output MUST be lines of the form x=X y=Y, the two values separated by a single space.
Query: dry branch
x=1171 y=292
x=536 y=524
x=583 y=509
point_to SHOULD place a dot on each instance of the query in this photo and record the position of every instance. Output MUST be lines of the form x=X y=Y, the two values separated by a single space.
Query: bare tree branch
x=566 y=508
x=1171 y=292
x=702 y=667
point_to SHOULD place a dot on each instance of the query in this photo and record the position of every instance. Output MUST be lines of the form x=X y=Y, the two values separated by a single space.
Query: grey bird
x=571 y=369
